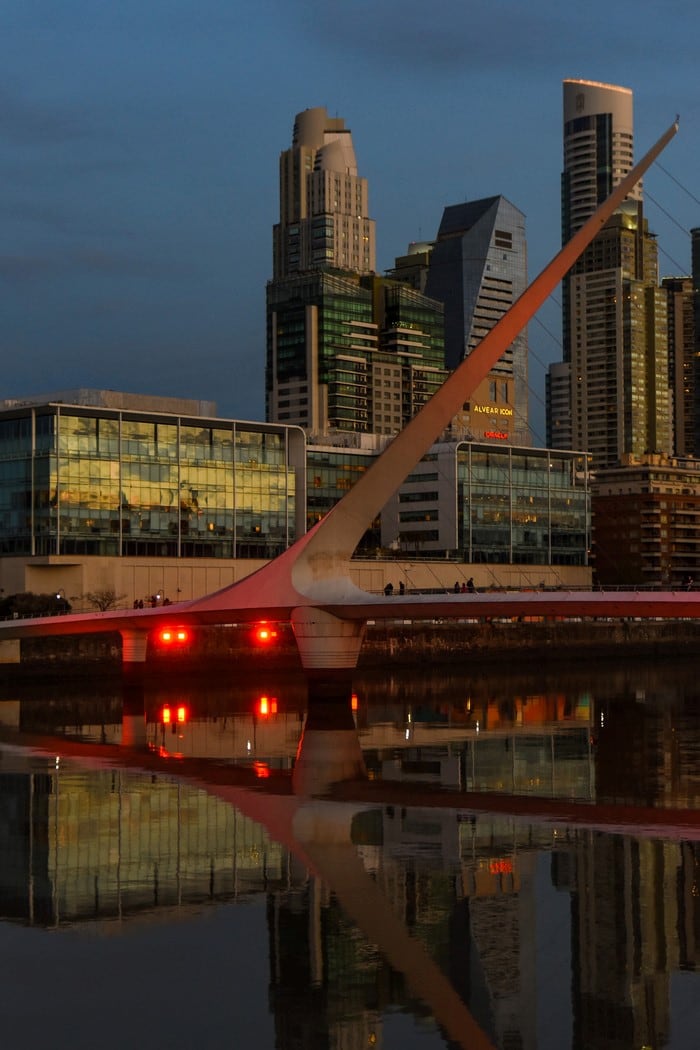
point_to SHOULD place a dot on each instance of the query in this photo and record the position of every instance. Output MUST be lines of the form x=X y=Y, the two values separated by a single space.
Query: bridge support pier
x=326 y=642
x=134 y=648
x=329 y=749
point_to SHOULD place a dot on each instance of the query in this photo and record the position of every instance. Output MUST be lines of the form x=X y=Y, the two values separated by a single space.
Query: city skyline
x=140 y=161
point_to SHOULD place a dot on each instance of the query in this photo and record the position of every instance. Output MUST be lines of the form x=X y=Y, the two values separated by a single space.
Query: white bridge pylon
x=310 y=583
x=312 y=578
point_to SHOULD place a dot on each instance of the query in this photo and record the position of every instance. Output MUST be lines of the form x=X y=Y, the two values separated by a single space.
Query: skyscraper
x=682 y=364
x=614 y=313
x=324 y=206
x=478 y=268
x=598 y=148
x=346 y=350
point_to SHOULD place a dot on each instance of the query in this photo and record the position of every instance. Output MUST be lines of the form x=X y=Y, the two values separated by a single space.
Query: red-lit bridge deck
x=358 y=606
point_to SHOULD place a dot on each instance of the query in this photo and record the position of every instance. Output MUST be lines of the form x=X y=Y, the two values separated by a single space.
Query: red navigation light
x=264 y=634
x=261 y=769
x=353 y=702
x=264 y=705
x=173 y=636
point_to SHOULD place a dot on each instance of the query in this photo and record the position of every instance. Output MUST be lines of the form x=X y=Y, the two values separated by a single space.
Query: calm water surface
x=448 y=860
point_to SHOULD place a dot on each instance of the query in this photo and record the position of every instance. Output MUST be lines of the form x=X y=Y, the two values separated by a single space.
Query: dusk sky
x=140 y=145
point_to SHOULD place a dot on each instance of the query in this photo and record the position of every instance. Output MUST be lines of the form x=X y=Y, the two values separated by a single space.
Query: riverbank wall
x=387 y=645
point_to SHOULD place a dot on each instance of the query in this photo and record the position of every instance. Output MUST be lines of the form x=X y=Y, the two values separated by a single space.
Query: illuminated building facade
x=646 y=521
x=488 y=504
x=106 y=479
x=145 y=497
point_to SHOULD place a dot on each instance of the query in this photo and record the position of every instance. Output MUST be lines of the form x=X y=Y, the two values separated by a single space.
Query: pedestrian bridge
x=309 y=585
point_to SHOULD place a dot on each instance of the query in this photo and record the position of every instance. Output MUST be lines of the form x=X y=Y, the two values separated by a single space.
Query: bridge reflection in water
x=396 y=895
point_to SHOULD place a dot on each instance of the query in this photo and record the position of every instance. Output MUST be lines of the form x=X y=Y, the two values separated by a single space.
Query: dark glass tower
x=478 y=268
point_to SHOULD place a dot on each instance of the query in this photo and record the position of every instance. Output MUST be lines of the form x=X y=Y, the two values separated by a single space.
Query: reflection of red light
x=501 y=867
x=353 y=702
x=165 y=716
x=261 y=769
x=267 y=705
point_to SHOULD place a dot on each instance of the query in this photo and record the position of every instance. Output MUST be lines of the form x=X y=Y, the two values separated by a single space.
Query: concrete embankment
x=450 y=642
x=386 y=645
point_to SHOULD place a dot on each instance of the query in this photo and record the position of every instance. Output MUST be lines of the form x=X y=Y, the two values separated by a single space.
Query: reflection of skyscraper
x=478 y=268
x=328 y=986
x=614 y=314
x=624 y=940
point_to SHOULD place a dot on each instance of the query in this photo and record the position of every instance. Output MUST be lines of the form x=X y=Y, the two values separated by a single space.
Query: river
x=456 y=858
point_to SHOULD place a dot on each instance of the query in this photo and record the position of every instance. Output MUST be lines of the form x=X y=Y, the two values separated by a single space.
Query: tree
x=105 y=599
x=29 y=604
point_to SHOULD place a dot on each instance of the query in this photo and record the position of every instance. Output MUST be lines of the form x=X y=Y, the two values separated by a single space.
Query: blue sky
x=139 y=145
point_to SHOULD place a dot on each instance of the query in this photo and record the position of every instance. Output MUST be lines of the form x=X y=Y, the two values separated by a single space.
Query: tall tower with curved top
x=598 y=148
x=347 y=351
x=324 y=210
x=611 y=394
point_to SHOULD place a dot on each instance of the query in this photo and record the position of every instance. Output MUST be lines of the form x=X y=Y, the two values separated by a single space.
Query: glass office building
x=493 y=504
x=104 y=492
x=523 y=506
x=83 y=480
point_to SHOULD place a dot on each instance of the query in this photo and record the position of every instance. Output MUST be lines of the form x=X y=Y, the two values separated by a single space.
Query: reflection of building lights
x=602 y=719
x=502 y=866
x=477 y=725
x=248 y=746
x=408 y=733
